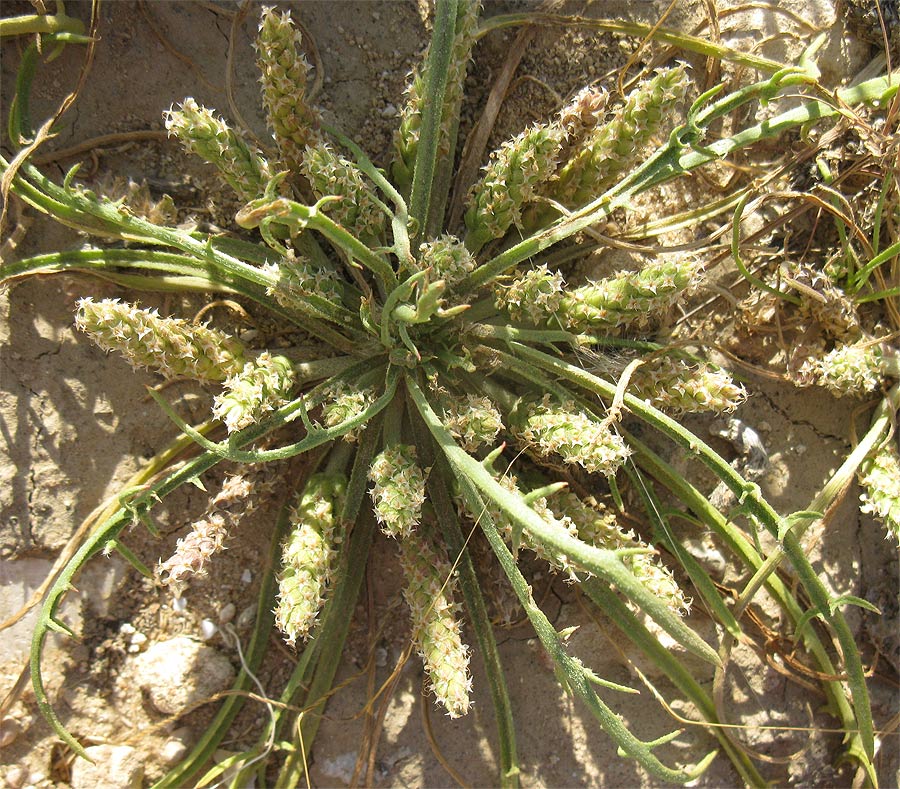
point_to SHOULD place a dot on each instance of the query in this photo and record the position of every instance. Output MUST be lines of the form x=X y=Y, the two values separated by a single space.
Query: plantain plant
x=451 y=394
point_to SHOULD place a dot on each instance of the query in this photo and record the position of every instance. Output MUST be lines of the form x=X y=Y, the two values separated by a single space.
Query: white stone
x=116 y=766
x=181 y=672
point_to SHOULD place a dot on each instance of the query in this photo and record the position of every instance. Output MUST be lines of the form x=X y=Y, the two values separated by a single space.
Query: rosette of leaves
x=421 y=318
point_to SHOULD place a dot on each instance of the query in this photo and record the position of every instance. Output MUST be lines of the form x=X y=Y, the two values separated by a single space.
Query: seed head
x=332 y=175
x=308 y=556
x=260 y=387
x=170 y=346
x=533 y=297
x=398 y=490
x=880 y=478
x=598 y=526
x=429 y=594
x=448 y=258
x=285 y=72
x=674 y=385
x=613 y=146
x=473 y=422
x=515 y=171
x=565 y=430
x=202 y=133
x=849 y=370
x=629 y=297
x=344 y=404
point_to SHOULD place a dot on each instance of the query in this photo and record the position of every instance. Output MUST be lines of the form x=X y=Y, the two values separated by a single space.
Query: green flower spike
x=285 y=72
x=260 y=387
x=398 y=491
x=565 y=430
x=331 y=175
x=308 y=556
x=202 y=133
x=880 y=477
x=611 y=148
x=510 y=180
x=170 y=346
x=429 y=594
x=630 y=298
x=674 y=385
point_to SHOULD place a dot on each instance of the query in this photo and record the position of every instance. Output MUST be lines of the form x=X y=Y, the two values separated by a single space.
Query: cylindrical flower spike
x=533 y=297
x=565 y=430
x=473 y=422
x=429 y=594
x=308 y=556
x=674 y=385
x=202 y=133
x=192 y=553
x=332 y=175
x=285 y=72
x=629 y=297
x=880 y=478
x=515 y=171
x=612 y=147
x=261 y=386
x=448 y=258
x=345 y=403
x=170 y=346
x=398 y=490
x=852 y=370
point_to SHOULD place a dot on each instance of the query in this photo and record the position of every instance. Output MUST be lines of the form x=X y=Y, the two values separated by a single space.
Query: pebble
x=180 y=672
x=208 y=629
x=179 y=605
x=246 y=577
x=247 y=617
x=175 y=748
x=16 y=776
x=226 y=613
x=10 y=729
x=110 y=765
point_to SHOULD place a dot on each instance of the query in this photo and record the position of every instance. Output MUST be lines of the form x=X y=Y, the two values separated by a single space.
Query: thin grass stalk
x=575 y=674
x=602 y=562
x=738 y=544
x=670 y=162
x=333 y=635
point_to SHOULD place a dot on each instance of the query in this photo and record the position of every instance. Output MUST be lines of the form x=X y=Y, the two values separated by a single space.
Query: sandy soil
x=75 y=424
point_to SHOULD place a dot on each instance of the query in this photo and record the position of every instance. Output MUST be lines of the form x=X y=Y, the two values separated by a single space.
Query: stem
x=436 y=73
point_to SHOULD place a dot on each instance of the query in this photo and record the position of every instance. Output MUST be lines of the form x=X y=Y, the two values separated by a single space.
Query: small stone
x=16 y=776
x=226 y=613
x=10 y=729
x=179 y=605
x=110 y=765
x=247 y=617
x=208 y=629
x=180 y=672
x=246 y=577
x=175 y=748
